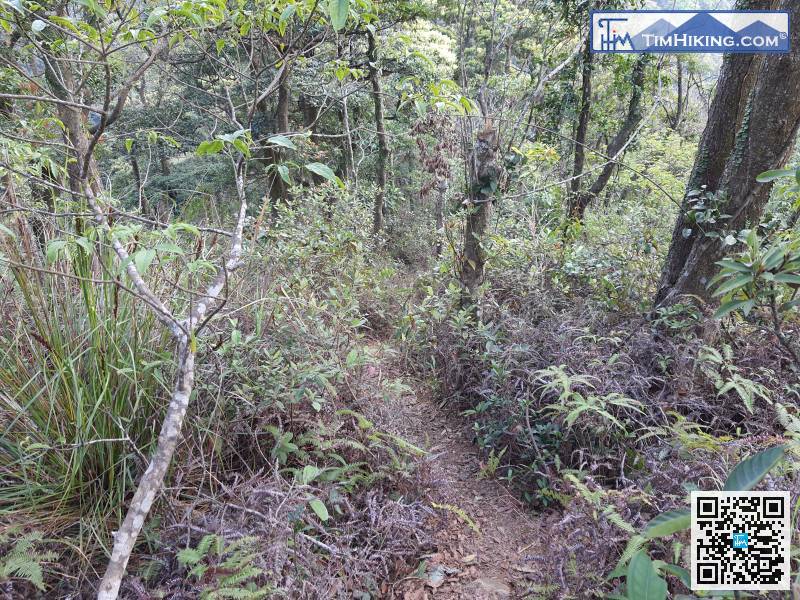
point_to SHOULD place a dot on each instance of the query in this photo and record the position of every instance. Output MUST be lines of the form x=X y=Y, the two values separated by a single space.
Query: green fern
x=234 y=574
x=23 y=560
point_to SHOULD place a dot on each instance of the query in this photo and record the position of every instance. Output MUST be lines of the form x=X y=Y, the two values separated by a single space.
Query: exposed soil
x=487 y=545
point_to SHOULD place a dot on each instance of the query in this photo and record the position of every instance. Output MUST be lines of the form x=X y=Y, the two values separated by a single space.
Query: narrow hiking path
x=487 y=545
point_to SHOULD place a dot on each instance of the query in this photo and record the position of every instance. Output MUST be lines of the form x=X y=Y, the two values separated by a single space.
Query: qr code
x=740 y=541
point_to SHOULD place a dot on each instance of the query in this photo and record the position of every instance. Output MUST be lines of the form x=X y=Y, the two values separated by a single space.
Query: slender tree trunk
x=752 y=126
x=677 y=119
x=348 y=163
x=439 y=213
x=380 y=128
x=278 y=190
x=632 y=119
x=583 y=118
x=144 y=205
x=483 y=171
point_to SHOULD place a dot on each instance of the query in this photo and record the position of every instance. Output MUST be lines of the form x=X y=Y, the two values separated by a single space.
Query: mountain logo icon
x=690 y=31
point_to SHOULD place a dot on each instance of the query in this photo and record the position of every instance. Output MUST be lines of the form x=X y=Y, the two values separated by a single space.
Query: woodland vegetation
x=385 y=299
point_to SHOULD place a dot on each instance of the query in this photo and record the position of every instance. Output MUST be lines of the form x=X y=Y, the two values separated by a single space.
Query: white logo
x=708 y=31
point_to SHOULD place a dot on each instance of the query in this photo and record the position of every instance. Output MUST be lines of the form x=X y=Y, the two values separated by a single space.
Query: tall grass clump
x=81 y=382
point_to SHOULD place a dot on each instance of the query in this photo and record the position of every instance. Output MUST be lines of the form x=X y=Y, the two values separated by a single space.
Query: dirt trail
x=487 y=544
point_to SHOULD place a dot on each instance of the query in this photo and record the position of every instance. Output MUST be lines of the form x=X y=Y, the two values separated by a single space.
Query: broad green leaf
x=53 y=248
x=734 y=284
x=319 y=509
x=338 y=10
x=746 y=475
x=143 y=258
x=768 y=176
x=85 y=244
x=787 y=278
x=326 y=172
x=157 y=14
x=282 y=140
x=679 y=572
x=128 y=145
x=667 y=523
x=242 y=147
x=283 y=171
x=643 y=583
x=310 y=473
x=729 y=307
x=169 y=248
x=774 y=257
x=209 y=147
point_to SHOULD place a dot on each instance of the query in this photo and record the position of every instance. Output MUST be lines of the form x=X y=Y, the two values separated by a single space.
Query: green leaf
x=319 y=509
x=787 y=278
x=209 y=147
x=242 y=147
x=768 y=176
x=53 y=248
x=667 y=523
x=746 y=475
x=282 y=140
x=353 y=358
x=643 y=583
x=128 y=145
x=732 y=305
x=283 y=171
x=156 y=15
x=338 y=10
x=733 y=265
x=310 y=473
x=143 y=258
x=734 y=284
x=85 y=244
x=326 y=172
x=679 y=572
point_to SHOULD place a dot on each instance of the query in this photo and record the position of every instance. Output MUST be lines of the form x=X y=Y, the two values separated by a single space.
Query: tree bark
x=617 y=144
x=380 y=128
x=278 y=190
x=752 y=126
x=441 y=190
x=583 y=118
x=144 y=205
x=483 y=173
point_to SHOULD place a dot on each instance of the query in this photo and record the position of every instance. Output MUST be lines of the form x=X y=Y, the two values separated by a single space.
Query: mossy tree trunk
x=380 y=129
x=752 y=127
x=483 y=174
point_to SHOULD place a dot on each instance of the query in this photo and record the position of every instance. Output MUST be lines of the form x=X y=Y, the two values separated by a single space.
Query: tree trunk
x=278 y=190
x=348 y=163
x=751 y=128
x=482 y=177
x=144 y=205
x=677 y=118
x=439 y=213
x=583 y=118
x=620 y=141
x=383 y=145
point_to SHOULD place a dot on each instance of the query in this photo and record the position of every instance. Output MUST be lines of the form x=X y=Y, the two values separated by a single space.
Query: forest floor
x=486 y=543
